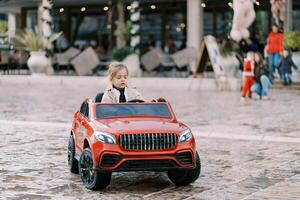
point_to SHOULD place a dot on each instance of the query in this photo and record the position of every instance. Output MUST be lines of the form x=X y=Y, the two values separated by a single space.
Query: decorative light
x=128 y=7
x=182 y=25
x=83 y=9
x=105 y=8
x=178 y=29
x=257 y=3
x=61 y=10
x=203 y=5
x=108 y=26
x=167 y=27
x=230 y=4
x=153 y=6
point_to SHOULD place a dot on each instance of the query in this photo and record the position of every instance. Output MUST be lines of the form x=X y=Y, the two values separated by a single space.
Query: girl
x=119 y=91
x=248 y=74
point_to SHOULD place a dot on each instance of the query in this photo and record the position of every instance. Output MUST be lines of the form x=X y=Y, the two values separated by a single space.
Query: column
x=288 y=25
x=11 y=25
x=194 y=23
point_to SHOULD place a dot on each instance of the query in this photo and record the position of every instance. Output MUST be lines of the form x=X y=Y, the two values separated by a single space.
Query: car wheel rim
x=86 y=170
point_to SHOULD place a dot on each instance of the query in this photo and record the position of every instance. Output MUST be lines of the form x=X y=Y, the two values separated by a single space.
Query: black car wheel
x=72 y=162
x=91 y=178
x=186 y=176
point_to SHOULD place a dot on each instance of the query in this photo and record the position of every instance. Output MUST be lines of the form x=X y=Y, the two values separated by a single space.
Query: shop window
x=208 y=23
x=31 y=18
x=176 y=29
x=223 y=23
x=151 y=29
x=89 y=30
x=296 y=21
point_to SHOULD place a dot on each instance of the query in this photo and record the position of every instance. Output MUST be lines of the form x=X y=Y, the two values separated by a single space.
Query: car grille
x=148 y=141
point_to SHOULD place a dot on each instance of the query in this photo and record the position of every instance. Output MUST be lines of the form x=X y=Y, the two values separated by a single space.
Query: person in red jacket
x=274 y=49
x=248 y=75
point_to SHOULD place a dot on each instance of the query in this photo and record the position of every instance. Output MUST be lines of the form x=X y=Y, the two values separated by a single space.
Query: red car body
x=141 y=143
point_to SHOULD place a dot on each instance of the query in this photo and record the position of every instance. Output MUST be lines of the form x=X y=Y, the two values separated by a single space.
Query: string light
x=153 y=6
x=105 y=8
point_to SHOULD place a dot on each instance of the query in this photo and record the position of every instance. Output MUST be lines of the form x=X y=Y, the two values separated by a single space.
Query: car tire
x=182 y=177
x=72 y=162
x=91 y=178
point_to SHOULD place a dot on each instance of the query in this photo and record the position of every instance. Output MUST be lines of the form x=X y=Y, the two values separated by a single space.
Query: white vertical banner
x=135 y=16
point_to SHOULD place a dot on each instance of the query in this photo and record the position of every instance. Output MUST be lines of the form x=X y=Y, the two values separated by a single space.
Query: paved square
x=249 y=150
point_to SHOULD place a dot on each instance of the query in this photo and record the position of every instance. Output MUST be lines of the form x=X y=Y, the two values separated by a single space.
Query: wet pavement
x=248 y=150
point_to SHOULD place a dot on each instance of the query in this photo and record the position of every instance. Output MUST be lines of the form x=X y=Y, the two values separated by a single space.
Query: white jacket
x=112 y=95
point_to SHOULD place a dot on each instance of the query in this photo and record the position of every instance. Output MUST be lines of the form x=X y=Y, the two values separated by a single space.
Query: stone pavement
x=248 y=150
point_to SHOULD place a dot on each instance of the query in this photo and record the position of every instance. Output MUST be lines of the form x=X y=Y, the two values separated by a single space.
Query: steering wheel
x=136 y=101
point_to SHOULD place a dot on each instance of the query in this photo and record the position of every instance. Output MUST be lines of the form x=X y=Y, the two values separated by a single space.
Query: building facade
x=182 y=21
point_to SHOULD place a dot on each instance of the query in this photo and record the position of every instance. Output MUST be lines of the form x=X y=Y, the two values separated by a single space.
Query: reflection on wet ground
x=34 y=128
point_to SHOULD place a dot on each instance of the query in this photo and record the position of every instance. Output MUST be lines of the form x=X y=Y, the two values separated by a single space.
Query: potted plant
x=126 y=54
x=37 y=44
x=291 y=42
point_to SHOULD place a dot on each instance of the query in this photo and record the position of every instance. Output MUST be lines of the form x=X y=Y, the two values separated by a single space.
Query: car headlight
x=106 y=138
x=185 y=135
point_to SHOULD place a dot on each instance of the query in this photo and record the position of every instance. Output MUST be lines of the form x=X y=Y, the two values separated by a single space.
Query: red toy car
x=132 y=136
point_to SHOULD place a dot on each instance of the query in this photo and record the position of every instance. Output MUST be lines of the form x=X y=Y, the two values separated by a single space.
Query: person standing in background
x=274 y=49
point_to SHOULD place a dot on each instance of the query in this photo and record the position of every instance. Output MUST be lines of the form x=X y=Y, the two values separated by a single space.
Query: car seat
x=98 y=97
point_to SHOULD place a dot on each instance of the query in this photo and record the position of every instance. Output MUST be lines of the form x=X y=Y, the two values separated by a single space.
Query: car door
x=85 y=123
x=82 y=121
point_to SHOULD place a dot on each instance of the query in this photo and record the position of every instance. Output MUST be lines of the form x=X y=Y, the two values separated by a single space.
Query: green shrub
x=3 y=27
x=120 y=54
x=291 y=40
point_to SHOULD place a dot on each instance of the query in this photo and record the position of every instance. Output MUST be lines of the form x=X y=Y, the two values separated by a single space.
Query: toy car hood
x=139 y=124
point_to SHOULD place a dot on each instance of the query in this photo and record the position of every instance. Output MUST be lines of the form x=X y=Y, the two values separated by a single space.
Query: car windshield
x=122 y=110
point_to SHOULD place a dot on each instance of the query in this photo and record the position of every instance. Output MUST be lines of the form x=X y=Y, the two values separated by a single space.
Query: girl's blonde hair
x=114 y=68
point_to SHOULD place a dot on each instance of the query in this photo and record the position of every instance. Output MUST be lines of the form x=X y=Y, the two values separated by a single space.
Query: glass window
x=89 y=30
x=176 y=29
x=208 y=23
x=259 y=29
x=223 y=23
x=31 y=18
x=122 y=110
x=296 y=21
x=151 y=29
x=60 y=20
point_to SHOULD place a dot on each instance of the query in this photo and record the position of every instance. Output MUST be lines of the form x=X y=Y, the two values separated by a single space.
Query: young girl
x=248 y=75
x=119 y=91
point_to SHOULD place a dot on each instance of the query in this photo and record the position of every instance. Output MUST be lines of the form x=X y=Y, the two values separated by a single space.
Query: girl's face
x=120 y=80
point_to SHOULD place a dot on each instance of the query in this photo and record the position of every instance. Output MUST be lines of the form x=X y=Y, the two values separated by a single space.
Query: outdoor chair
x=4 y=62
x=184 y=58
x=22 y=62
x=18 y=62
x=157 y=60
x=63 y=60
x=85 y=62
x=150 y=60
